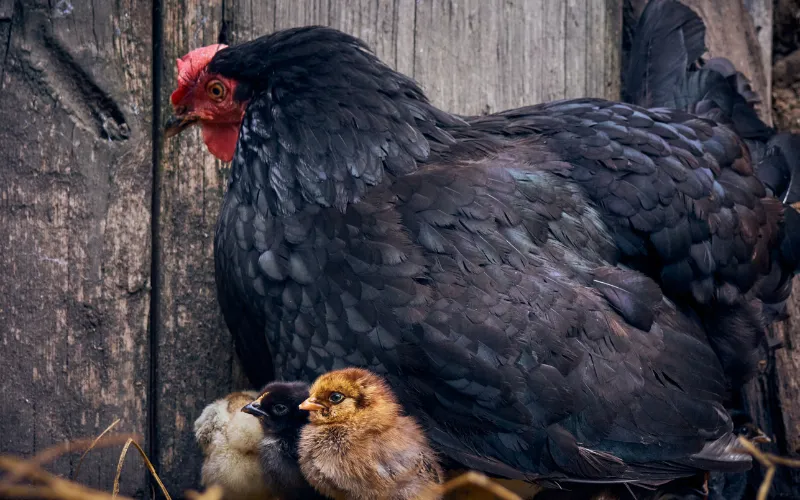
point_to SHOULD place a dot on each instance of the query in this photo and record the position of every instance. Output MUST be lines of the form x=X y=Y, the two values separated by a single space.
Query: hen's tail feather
x=785 y=148
x=665 y=70
x=668 y=38
x=740 y=82
x=708 y=93
x=779 y=170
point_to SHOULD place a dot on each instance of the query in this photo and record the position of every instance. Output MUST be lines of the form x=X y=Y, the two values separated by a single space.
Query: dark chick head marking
x=744 y=426
x=278 y=407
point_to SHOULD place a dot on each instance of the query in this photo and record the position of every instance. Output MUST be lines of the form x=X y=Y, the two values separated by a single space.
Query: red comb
x=190 y=66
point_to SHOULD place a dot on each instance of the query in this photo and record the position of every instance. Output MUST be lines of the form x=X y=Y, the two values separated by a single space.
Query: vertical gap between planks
x=414 y=45
x=566 y=44
x=224 y=37
x=154 y=325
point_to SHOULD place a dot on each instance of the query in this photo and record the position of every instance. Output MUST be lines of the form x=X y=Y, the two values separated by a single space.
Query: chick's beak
x=178 y=123
x=311 y=404
x=254 y=409
x=761 y=438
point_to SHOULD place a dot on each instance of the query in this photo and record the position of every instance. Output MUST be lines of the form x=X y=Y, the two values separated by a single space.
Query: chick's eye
x=336 y=397
x=279 y=409
x=216 y=90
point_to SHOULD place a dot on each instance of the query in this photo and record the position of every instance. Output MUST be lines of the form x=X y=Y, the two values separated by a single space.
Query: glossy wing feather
x=678 y=193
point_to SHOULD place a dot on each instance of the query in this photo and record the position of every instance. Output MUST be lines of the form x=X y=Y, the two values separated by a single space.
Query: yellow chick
x=359 y=444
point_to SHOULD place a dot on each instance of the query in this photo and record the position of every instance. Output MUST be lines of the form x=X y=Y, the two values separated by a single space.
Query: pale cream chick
x=230 y=441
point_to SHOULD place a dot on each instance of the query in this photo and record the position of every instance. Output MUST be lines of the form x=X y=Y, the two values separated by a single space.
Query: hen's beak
x=254 y=409
x=311 y=404
x=178 y=123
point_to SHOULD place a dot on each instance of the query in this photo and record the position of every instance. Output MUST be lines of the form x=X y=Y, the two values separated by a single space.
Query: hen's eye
x=216 y=90
x=336 y=397
x=279 y=409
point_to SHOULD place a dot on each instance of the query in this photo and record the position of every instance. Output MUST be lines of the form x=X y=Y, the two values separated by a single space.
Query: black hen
x=281 y=418
x=476 y=263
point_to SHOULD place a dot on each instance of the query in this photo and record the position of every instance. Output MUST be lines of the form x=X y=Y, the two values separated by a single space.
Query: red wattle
x=220 y=138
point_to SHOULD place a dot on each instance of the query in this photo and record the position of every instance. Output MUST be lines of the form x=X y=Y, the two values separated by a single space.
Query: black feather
x=632 y=294
x=669 y=37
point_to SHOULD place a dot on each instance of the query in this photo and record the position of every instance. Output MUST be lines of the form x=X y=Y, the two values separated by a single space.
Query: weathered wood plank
x=484 y=56
x=603 y=50
x=761 y=11
x=195 y=358
x=75 y=239
x=471 y=56
x=456 y=54
x=474 y=56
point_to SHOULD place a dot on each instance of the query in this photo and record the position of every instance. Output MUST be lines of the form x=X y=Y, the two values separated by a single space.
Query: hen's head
x=351 y=396
x=278 y=407
x=207 y=99
x=324 y=114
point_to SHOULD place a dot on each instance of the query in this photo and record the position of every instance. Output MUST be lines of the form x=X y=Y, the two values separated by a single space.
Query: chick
x=230 y=442
x=359 y=445
x=281 y=419
x=744 y=426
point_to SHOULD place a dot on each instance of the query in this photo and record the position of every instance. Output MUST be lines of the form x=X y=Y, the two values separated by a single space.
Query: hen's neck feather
x=326 y=119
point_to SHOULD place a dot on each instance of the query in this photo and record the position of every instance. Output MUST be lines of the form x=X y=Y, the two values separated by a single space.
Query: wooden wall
x=75 y=191
x=107 y=305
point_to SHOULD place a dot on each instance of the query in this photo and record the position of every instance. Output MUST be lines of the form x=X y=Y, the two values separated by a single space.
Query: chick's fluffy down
x=364 y=446
x=229 y=439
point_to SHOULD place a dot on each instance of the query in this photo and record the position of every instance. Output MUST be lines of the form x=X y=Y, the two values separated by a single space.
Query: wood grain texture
x=194 y=357
x=761 y=11
x=471 y=57
x=75 y=240
x=482 y=56
x=787 y=368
